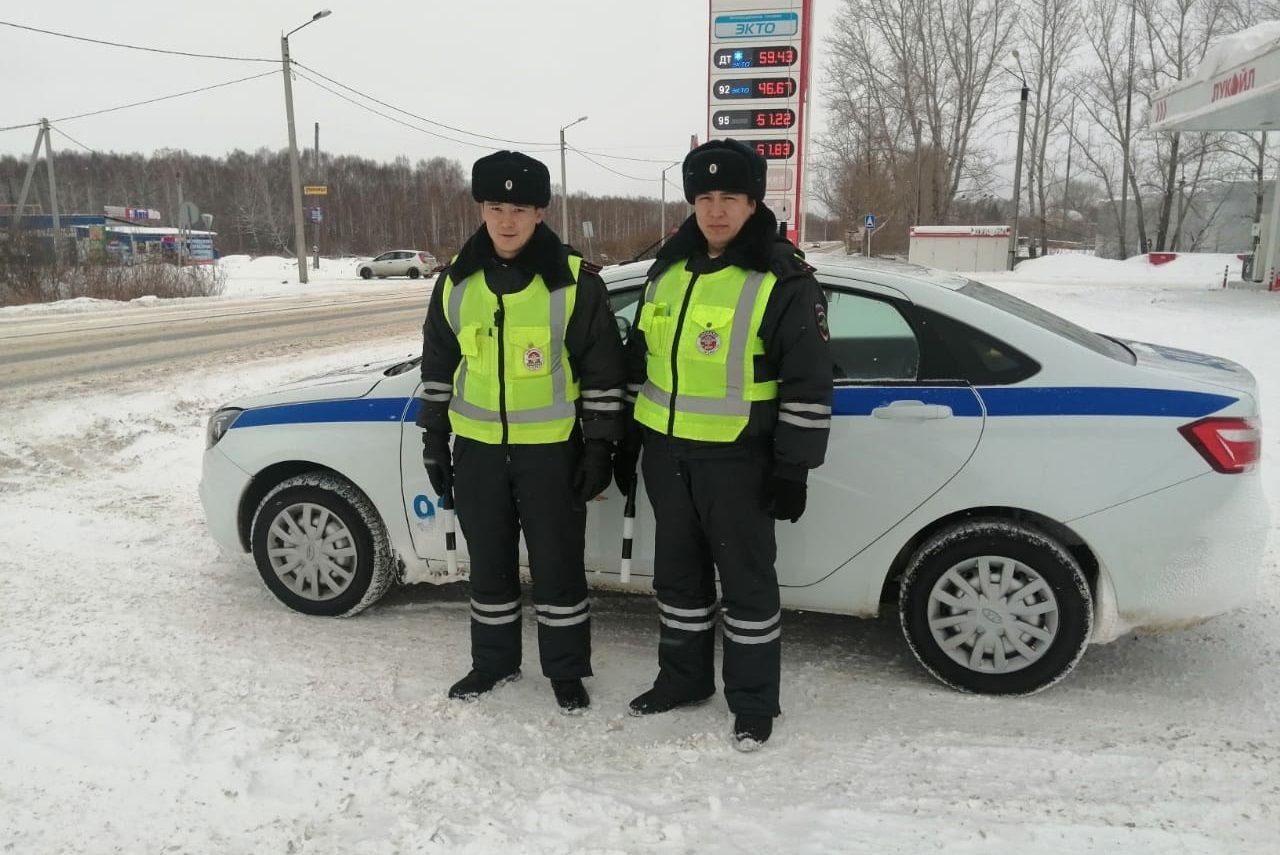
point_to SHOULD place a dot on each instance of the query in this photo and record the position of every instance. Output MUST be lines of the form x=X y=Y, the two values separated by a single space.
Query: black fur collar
x=752 y=248
x=544 y=255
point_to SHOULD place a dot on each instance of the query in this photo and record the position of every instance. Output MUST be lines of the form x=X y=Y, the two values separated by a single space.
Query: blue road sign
x=869 y=222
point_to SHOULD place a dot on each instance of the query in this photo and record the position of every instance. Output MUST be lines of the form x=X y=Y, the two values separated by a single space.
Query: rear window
x=1048 y=321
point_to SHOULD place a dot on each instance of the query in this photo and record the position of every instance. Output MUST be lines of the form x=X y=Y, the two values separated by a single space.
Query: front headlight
x=219 y=423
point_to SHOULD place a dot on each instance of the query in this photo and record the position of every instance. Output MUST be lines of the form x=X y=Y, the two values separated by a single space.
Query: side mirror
x=624 y=327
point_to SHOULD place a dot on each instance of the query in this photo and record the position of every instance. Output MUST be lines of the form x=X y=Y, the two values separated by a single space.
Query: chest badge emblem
x=708 y=341
x=533 y=359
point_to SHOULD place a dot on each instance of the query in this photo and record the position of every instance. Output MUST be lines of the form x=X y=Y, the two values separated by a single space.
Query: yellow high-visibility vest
x=514 y=377
x=702 y=342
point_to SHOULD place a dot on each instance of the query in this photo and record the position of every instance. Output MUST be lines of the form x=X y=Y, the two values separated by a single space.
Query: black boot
x=571 y=695
x=476 y=684
x=751 y=731
x=658 y=700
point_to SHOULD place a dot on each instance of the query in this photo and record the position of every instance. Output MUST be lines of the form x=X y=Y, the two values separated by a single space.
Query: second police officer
x=522 y=362
x=730 y=374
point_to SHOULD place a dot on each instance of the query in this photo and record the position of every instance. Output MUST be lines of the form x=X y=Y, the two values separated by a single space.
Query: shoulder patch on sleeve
x=820 y=313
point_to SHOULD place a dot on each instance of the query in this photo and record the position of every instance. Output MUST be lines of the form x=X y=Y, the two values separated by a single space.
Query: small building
x=964 y=249
x=125 y=240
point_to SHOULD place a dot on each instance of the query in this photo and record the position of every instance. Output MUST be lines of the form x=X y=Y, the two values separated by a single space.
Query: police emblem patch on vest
x=533 y=359
x=708 y=341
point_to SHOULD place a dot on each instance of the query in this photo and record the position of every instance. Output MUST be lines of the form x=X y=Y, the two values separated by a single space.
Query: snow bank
x=1188 y=270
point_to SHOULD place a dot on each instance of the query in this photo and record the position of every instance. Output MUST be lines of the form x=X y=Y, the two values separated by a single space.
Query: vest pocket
x=656 y=324
x=528 y=352
x=478 y=346
x=706 y=334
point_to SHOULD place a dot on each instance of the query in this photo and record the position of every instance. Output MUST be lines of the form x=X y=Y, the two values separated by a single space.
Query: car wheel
x=320 y=546
x=366 y=273
x=993 y=607
x=414 y=273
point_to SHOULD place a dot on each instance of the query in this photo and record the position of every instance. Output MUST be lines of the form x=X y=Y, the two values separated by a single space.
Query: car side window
x=870 y=339
x=384 y=257
x=622 y=302
x=956 y=351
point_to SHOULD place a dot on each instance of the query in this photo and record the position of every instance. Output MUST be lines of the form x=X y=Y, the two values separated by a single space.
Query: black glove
x=592 y=474
x=785 y=500
x=626 y=457
x=437 y=459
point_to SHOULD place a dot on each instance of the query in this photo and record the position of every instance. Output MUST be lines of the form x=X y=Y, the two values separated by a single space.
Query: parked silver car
x=399 y=262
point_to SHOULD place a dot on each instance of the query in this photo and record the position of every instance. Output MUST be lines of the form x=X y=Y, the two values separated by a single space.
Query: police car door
x=896 y=438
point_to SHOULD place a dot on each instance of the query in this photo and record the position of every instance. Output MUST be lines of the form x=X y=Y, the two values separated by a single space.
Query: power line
x=369 y=109
x=74 y=140
x=550 y=146
x=134 y=47
x=606 y=168
x=18 y=127
x=422 y=118
x=165 y=97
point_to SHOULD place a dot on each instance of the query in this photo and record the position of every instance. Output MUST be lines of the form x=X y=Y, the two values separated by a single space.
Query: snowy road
x=157 y=698
x=60 y=349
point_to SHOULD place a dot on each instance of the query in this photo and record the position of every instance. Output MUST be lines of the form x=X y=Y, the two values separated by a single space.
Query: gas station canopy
x=1236 y=87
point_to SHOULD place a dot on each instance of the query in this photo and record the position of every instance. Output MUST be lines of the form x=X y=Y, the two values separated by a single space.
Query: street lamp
x=664 y=197
x=564 y=188
x=299 y=237
x=1017 y=173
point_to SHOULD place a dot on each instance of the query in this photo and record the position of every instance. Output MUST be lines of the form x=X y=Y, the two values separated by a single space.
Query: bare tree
x=908 y=79
x=1051 y=31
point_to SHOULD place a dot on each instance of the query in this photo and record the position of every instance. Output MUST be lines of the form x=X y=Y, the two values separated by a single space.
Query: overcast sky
x=518 y=70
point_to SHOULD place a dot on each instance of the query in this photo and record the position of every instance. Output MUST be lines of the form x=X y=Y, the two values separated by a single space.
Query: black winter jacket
x=591 y=335
x=794 y=330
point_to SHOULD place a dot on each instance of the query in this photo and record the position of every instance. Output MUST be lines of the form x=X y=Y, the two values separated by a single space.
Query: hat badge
x=508 y=185
x=712 y=168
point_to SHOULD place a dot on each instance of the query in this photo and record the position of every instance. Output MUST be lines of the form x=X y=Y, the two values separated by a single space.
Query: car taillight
x=1228 y=445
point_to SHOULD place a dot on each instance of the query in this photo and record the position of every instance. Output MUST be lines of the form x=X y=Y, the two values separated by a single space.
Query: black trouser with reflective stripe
x=501 y=491
x=708 y=503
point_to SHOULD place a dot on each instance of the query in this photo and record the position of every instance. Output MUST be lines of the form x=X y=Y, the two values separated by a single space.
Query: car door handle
x=912 y=411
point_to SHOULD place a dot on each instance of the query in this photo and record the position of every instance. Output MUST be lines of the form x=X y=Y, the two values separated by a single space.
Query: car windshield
x=1048 y=321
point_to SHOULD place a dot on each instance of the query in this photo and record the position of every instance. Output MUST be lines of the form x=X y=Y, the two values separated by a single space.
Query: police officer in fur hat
x=729 y=387
x=522 y=363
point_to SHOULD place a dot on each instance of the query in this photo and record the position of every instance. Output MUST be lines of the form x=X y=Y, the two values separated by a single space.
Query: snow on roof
x=153 y=230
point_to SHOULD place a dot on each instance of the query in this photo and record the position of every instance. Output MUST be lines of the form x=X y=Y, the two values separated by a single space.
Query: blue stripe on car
x=313 y=412
x=847 y=401
x=1034 y=400
x=1100 y=401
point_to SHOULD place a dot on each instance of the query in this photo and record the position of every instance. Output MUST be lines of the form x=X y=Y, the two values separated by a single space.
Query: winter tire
x=366 y=273
x=414 y=273
x=320 y=546
x=993 y=607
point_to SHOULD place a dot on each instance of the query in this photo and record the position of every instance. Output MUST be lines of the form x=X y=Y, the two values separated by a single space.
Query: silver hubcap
x=993 y=614
x=312 y=551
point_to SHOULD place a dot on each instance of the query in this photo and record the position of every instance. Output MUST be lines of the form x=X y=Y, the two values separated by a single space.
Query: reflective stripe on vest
x=537 y=382
x=712 y=401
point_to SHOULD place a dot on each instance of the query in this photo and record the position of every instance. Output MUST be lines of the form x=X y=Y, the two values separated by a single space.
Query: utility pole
x=299 y=237
x=1128 y=111
x=664 y=200
x=919 y=145
x=564 y=186
x=315 y=172
x=1017 y=173
x=26 y=181
x=53 y=189
x=181 y=217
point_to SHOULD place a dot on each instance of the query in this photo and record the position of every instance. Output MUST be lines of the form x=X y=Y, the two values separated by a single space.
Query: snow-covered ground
x=155 y=697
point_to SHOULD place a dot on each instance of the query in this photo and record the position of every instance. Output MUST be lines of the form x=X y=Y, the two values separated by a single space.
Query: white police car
x=1021 y=486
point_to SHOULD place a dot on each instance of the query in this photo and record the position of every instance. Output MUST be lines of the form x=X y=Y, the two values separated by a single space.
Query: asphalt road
x=45 y=354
